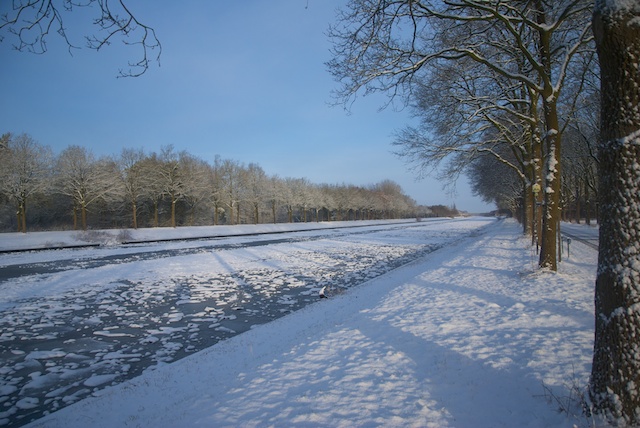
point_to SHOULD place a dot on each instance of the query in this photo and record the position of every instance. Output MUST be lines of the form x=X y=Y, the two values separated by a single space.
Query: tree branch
x=30 y=22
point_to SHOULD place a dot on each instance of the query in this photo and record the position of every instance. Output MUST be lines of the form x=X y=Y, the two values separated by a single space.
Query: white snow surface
x=471 y=335
x=105 y=237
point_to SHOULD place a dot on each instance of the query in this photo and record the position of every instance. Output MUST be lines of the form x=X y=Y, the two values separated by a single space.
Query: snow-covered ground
x=56 y=239
x=471 y=335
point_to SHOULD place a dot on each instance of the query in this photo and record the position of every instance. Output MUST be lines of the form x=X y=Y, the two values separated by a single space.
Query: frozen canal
x=73 y=322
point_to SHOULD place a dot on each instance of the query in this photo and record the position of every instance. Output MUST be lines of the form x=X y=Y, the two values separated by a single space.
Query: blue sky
x=242 y=80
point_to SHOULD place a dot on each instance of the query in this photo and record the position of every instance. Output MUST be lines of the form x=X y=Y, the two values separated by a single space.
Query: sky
x=246 y=81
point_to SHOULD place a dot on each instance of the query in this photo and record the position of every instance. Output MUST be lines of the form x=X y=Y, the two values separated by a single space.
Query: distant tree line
x=75 y=189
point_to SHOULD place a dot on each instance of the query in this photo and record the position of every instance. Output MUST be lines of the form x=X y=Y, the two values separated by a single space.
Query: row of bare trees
x=501 y=185
x=169 y=189
x=485 y=78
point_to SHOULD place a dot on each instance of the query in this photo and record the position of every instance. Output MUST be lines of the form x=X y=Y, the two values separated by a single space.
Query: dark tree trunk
x=134 y=213
x=83 y=213
x=173 y=212
x=273 y=211
x=615 y=376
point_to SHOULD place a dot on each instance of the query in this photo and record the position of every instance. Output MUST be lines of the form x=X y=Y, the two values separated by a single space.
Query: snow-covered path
x=469 y=336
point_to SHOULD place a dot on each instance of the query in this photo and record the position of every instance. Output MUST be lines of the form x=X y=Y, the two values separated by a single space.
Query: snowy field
x=438 y=324
x=56 y=239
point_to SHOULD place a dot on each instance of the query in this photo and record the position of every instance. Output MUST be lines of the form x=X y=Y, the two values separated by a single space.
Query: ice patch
x=27 y=403
x=175 y=317
x=45 y=355
x=111 y=334
x=7 y=389
x=97 y=380
x=119 y=355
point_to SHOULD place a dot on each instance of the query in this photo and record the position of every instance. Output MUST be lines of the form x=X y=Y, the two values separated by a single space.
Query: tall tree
x=326 y=201
x=153 y=183
x=229 y=171
x=25 y=168
x=274 y=189
x=216 y=187
x=84 y=179
x=255 y=182
x=615 y=376
x=289 y=195
x=132 y=178
x=172 y=178
x=195 y=176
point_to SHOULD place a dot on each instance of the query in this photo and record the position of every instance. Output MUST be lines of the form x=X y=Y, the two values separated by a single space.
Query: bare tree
x=274 y=195
x=497 y=183
x=195 y=183
x=341 y=201
x=316 y=200
x=25 y=168
x=216 y=189
x=84 y=179
x=289 y=196
x=132 y=178
x=29 y=23
x=254 y=181
x=303 y=197
x=153 y=184
x=391 y=199
x=230 y=178
x=325 y=201
x=615 y=376
x=579 y=175
x=172 y=176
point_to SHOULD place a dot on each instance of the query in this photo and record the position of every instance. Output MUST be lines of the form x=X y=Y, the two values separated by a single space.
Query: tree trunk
x=527 y=212
x=24 y=218
x=173 y=212
x=75 y=217
x=578 y=207
x=155 y=213
x=551 y=188
x=134 y=213
x=615 y=375
x=273 y=211
x=229 y=217
x=83 y=211
x=587 y=203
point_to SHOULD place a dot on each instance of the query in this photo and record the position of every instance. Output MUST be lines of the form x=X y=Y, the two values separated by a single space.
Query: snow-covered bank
x=469 y=336
x=15 y=241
